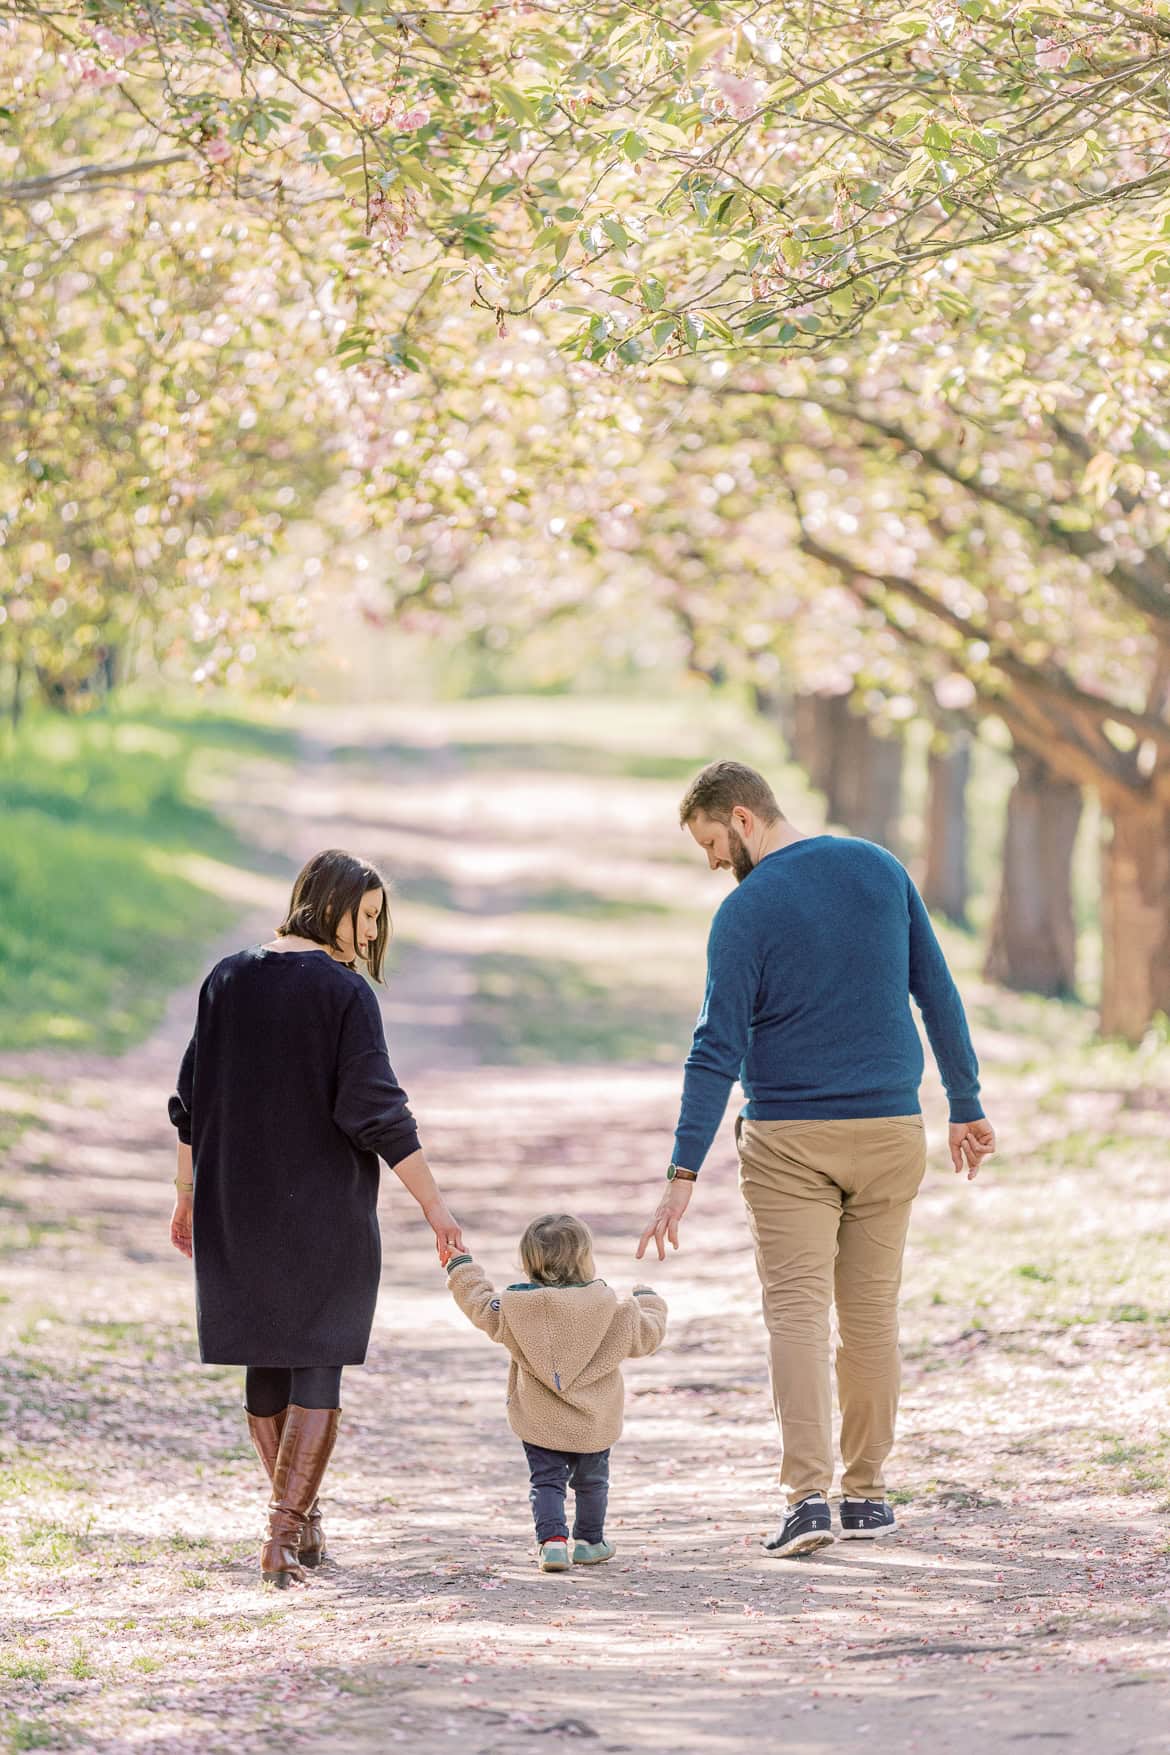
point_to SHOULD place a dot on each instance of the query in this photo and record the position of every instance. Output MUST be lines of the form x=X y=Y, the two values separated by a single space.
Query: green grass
x=537 y=1010
x=29 y=1733
x=22 y=1669
x=99 y=921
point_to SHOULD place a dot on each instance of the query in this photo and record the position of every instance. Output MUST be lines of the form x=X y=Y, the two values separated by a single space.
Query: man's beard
x=741 y=860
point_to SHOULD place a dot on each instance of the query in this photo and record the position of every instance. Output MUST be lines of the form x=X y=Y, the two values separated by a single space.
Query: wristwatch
x=676 y=1173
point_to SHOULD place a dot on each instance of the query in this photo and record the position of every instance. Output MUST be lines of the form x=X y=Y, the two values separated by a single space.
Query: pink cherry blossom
x=742 y=95
x=217 y=149
x=111 y=43
x=1053 y=55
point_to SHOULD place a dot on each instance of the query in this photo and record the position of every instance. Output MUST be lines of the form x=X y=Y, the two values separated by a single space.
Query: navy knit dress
x=287 y=1099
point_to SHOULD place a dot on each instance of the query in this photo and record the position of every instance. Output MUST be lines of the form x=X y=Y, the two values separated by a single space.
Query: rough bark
x=1033 y=936
x=1135 y=916
x=859 y=773
x=946 y=878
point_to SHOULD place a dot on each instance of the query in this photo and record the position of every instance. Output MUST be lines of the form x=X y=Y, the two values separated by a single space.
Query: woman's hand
x=448 y=1232
x=181 y=1225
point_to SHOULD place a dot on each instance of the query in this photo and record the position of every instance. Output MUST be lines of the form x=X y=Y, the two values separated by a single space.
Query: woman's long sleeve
x=179 y=1106
x=370 y=1107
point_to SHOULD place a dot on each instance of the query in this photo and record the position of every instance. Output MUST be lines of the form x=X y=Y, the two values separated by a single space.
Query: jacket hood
x=560 y=1329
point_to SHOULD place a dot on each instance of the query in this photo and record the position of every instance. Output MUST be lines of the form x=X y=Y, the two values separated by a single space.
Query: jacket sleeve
x=370 y=1105
x=179 y=1106
x=645 y=1313
x=477 y=1298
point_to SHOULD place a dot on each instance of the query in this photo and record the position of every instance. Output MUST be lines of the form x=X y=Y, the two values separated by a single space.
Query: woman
x=286 y=1100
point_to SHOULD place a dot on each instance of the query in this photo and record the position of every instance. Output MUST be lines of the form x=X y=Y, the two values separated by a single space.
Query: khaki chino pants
x=829 y=1206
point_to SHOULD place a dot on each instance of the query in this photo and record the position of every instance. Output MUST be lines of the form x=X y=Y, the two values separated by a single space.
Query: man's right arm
x=721 y=1035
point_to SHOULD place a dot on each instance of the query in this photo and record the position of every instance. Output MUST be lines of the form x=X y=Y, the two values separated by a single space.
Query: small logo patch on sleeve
x=495 y=1305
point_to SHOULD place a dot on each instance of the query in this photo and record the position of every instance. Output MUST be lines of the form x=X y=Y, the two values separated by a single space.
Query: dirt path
x=1025 y=1605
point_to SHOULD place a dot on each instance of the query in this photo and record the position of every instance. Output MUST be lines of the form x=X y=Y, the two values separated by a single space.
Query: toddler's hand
x=449 y=1254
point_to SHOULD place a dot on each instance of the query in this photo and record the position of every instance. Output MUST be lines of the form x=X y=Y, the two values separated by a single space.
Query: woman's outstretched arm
x=416 y=1177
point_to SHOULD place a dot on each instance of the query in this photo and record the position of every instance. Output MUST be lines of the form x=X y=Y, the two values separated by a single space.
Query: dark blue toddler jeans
x=554 y=1470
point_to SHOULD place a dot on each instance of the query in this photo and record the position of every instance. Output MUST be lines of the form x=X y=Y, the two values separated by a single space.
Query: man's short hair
x=720 y=786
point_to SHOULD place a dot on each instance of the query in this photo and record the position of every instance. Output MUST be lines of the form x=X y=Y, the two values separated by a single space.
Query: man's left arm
x=972 y=1137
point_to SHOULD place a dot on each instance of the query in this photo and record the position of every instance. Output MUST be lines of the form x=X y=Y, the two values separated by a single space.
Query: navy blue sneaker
x=807 y=1527
x=863 y=1519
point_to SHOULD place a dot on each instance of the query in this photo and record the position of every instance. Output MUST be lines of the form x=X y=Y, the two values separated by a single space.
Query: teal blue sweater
x=811 y=965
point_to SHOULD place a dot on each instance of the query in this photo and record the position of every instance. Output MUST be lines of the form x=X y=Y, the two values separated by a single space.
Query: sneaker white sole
x=889 y=1529
x=806 y=1544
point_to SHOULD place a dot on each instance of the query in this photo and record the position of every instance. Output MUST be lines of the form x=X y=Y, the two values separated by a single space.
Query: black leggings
x=269 y=1389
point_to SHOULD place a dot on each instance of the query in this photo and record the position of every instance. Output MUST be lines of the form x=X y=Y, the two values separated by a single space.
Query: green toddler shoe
x=554 y=1555
x=592 y=1553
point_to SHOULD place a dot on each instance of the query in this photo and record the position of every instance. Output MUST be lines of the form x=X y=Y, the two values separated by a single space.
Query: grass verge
x=99 y=919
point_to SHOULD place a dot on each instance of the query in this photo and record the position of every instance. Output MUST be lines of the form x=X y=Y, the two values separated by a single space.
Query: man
x=811 y=965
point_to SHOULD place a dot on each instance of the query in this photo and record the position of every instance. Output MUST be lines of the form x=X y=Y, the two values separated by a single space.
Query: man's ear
x=743 y=820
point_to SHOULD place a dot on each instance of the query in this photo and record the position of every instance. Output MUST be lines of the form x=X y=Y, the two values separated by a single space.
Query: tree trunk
x=1033 y=936
x=866 y=794
x=814 y=737
x=1135 y=918
x=859 y=774
x=946 y=880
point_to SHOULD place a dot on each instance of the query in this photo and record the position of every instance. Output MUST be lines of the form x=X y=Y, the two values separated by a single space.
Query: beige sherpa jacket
x=567 y=1344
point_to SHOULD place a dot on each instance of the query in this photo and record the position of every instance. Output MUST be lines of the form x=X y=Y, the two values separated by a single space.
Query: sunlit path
x=550 y=957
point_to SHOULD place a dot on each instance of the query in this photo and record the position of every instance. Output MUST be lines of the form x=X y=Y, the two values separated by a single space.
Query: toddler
x=567 y=1333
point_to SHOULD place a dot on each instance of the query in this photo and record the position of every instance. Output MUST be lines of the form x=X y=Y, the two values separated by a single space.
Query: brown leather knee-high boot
x=306 y=1444
x=266 y=1430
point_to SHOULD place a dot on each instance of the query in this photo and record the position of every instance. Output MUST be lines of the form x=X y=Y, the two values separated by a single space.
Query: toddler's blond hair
x=557 y=1250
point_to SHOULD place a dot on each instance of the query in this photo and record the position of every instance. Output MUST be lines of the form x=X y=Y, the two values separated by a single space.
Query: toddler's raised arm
x=476 y=1296
x=647 y=1319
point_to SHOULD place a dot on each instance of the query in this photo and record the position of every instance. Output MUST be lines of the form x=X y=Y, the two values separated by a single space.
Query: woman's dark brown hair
x=326 y=890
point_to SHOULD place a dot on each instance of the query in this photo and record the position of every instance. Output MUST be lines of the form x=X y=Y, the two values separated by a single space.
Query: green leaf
x=717 y=326
x=692 y=331
x=654 y=294
x=616 y=232
x=662 y=332
x=912 y=23
x=515 y=102
x=761 y=321
x=792 y=252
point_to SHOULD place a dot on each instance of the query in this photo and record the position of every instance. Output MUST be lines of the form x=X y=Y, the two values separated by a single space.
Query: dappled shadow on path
x=1025 y=1602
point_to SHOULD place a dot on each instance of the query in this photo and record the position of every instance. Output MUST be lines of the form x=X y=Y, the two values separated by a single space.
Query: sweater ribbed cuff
x=966 y=1109
x=458 y=1261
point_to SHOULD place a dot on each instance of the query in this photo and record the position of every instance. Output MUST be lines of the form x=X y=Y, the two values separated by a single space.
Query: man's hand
x=971 y=1142
x=664 y=1225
